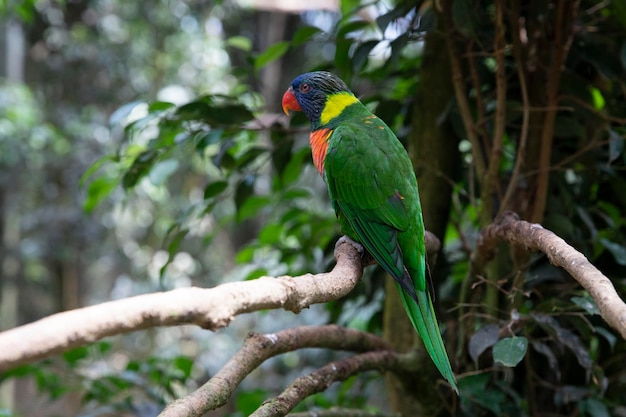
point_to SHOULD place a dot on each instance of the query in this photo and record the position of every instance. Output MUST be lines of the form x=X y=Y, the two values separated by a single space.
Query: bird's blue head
x=311 y=93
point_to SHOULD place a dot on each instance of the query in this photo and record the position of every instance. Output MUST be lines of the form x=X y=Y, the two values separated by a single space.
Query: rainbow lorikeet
x=373 y=190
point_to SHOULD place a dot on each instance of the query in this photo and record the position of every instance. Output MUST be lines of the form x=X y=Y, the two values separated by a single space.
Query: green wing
x=374 y=193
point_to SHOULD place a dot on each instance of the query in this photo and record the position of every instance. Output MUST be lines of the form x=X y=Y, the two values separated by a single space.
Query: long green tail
x=422 y=315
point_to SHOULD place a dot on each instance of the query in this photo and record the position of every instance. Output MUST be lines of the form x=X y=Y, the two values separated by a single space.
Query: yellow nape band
x=335 y=104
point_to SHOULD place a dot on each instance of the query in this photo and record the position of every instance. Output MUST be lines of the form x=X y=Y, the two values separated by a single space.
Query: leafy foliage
x=218 y=165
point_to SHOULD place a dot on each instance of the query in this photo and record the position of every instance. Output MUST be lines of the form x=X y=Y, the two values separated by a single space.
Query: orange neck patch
x=319 y=147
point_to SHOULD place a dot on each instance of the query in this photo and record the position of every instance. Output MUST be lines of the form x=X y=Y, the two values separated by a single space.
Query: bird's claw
x=356 y=245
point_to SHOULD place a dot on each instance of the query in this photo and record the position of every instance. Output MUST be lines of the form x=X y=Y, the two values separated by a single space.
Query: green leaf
x=353 y=26
x=597 y=97
x=184 y=364
x=304 y=34
x=251 y=206
x=172 y=249
x=608 y=336
x=98 y=190
x=510 y=351
x=214 y=114
x=401 y=10
x=121 y=113
x=214 y=189
x=281 y=155
x=95 y=167
x=195 y=110
x=270 y=234
x=272 y=53
x=224 y=160
x=295 y=193
x=587 y=304
x=294 y=166
x=139 y=168
x=359 y=58
x=244 y=189
x=162 y=171
x=204 y=139
x=256 y=273
x=248 y=400
x=594 y=408
x=474 y=388
x=426 y=23
x=72 y=357
x=250 y=156
x=240 y=42
x=342 y=54
x=618 y=251
x=245 y=255
x=228 y=114
x=397 y=46
x=159 y=106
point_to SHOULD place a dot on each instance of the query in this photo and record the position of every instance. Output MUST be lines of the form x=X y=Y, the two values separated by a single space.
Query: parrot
x=373 y=191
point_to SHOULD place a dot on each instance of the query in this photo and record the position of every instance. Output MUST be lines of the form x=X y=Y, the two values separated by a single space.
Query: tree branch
x=257 y=349
x=209 y=308
x=508 y=227
x=341 y=412
x=459 y=91
x=518 y=46
x=565 y=18
x=320 y=379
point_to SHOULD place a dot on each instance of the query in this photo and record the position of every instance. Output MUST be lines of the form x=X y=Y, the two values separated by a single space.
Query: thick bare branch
x=209 y=308
x=257 y=349
x=510 y=228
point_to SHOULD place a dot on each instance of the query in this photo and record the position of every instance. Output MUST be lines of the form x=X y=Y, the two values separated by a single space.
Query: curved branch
x=257 y=349
x=341 y=412
x=510 y=228
x=209 y=308
x=320 y=379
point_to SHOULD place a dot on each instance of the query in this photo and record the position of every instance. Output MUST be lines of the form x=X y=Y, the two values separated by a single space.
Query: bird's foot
x=365 y=256
x=356 y=245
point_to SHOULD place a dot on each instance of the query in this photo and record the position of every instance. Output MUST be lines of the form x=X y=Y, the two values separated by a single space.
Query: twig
x=523 y=139
x=508 y=227
x=322 y=378
x=341 y=412
x=492 y=183
x=460 y=93
x=565 y=15
x=258 y=348
x=481 y=118
x=591 y=108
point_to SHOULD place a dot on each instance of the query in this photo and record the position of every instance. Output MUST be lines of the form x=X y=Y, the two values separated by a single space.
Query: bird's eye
x=305 y=88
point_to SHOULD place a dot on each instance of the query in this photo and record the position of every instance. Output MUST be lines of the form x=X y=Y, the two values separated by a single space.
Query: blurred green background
x=143 y=148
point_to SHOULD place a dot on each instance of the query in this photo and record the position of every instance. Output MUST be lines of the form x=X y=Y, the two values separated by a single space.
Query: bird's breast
x=319 y=147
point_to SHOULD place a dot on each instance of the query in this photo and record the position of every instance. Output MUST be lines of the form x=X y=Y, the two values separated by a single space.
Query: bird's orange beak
x=290 y=102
